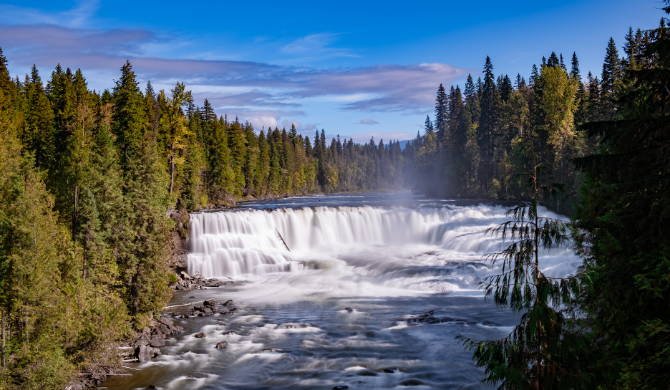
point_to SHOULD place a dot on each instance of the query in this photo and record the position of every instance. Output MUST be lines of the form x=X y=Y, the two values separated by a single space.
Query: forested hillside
x=87 y=184
x=480 y=137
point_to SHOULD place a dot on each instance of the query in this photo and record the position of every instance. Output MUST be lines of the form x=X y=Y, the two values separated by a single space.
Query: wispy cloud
x=368 y=122
x=252 y=90
x=78 y=16
x=316 y=46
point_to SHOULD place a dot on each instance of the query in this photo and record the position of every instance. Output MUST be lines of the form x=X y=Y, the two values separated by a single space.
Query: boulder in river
x=200 y=335
x=144 y=353
x=157 y=341
x=229 y=303
x=221 y=345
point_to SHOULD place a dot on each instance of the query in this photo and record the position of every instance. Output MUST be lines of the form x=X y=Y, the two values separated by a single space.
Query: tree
x=543 y=351
x=441 y=116
x=611 y=76
x=622 y=226
x=488 y=122
x=129 y=118
x=175 y=123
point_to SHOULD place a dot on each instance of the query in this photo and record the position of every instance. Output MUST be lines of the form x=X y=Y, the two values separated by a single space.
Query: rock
x=185 y=276
x=166 y=321
x=222 y=345
x=157 y=341
x=229 y=303
x=349 y=309
x=192 y=296
x=412 y=382
x=165 y=329
x=144 y=353
x=150 y=387
x=366 y=373
x=229 y=333
x=207 y=311
x=340 y=387
x=142 y=341
x=200 y=335
x=389 y=370
x=234 y=309
x=211 y=304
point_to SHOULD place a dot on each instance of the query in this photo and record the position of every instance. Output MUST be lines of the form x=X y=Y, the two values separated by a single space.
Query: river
x=331 y=307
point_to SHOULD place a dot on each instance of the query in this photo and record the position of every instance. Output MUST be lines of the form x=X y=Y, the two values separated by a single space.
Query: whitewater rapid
x=330 y=307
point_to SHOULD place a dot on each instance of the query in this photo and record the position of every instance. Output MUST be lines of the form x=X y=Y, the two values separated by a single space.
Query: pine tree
x=544 y=350
x=582 y=98
x=128 y=118
x=610 y=78
x=441 y=116
x=490 y=101
x=472 y=100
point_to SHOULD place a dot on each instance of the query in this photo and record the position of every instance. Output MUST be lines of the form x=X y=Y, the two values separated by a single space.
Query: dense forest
x=89 y=181
x=596 y=150
x=88 y=184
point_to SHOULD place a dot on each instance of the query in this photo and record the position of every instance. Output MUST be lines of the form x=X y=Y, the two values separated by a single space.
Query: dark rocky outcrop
x=222 y=345
x=145 y=345
x=428 y=318
x=186 y=282
x=179 y=255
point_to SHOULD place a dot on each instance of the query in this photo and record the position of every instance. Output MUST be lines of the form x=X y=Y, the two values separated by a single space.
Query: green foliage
x=622 y=224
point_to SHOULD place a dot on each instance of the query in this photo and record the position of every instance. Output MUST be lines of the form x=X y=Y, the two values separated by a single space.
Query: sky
x=357 y=69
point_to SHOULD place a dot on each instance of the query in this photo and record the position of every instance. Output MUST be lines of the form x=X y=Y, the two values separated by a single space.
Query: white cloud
x=368 y=122
x=287 y=124
x=263 y=122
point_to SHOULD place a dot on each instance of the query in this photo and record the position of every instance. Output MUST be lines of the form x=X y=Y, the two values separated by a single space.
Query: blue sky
x=354 y=68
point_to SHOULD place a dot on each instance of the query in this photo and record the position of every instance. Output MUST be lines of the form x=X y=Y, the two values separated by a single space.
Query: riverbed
x=330 y=291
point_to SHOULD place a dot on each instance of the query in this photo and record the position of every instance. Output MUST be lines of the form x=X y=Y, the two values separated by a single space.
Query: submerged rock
x=200 y=335
x=221 y=345
x=340 y=387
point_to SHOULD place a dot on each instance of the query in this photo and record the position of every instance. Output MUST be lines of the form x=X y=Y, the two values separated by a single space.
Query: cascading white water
x=247 y=242
x=337 y=304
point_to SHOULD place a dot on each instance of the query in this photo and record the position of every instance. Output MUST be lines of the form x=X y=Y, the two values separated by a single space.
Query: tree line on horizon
x=597 y=150
x=88 y=183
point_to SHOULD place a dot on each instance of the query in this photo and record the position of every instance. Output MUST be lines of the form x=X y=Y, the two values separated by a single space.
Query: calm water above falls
x=388 y=257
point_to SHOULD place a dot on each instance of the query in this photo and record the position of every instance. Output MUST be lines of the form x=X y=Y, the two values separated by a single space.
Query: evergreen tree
x=610 y=78
x=441 y=116
x=488 y=122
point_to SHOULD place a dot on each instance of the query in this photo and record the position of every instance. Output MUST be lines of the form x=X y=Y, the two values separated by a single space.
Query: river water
x=333 y=308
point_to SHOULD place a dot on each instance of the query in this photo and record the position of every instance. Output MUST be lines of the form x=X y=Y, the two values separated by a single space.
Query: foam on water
x=383 y=263
x=376 y=249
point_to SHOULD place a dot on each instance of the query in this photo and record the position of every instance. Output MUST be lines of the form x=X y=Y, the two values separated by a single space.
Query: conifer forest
x=96 y=185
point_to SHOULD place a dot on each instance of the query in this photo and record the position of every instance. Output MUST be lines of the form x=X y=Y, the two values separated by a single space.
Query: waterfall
x=247 y=241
